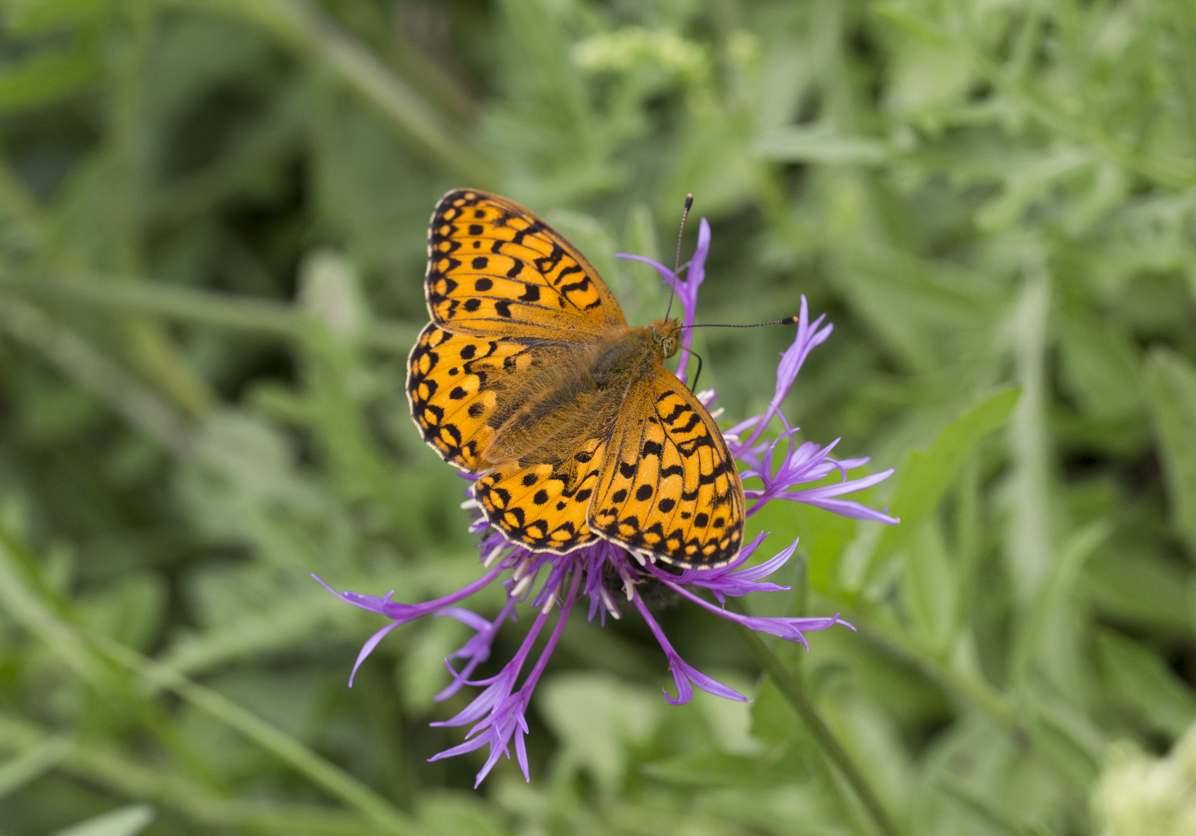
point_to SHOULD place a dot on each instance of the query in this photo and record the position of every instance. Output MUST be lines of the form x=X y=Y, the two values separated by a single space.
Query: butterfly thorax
x=628 y=351
x=577 y=392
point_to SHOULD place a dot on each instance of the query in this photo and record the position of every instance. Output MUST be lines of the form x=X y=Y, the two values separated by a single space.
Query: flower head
x=605 y=573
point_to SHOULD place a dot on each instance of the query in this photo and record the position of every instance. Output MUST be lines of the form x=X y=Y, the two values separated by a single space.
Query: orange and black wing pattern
x=455 y=382
x=669 y=489
x=544 y=507
x=496 y=269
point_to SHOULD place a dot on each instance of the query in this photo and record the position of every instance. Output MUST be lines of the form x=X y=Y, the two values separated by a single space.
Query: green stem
x=306 y=28
x=791 y=688
x=236 y=313
x=891 y=635
x=103 y=765
x=331 y=778
x=92 y=656
x=96 y=373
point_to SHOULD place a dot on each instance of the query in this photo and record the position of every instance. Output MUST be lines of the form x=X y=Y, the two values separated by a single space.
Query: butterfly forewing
x=495 y=268
x=669 y=488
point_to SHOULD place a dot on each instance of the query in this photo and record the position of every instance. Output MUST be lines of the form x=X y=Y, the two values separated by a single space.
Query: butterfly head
x=666 y=337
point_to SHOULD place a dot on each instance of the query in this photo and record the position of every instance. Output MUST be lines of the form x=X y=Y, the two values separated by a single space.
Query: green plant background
x=212 y=232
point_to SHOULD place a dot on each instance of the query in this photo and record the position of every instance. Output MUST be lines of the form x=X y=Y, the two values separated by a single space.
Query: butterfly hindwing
x=543 y=506
x=496 y=269
x=669 y=488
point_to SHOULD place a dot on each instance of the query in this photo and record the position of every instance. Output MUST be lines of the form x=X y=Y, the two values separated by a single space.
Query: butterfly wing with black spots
x=669 y=488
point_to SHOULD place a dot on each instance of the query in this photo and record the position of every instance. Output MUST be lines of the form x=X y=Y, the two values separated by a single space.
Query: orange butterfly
x=529 y=377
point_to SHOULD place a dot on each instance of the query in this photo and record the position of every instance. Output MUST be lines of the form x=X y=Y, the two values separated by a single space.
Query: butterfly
x=530 y=378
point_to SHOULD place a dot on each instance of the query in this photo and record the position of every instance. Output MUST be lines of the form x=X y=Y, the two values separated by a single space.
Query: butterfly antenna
x=789 y=320
x=689 y=202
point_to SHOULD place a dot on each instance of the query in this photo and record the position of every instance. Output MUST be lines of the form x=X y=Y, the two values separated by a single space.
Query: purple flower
x=604 y=572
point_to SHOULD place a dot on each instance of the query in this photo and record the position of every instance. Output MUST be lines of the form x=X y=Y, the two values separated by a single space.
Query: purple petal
x=466 y=617
x=407 y=612
x=706 y=683
x=697 y=270
x=790 y=629
x=683 y=674
x=666 y=273
x=368 y=648
x=842 y=507
x=477 y=649
x=809 y=336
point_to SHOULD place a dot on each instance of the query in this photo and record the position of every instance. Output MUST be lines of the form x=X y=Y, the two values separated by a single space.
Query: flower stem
x=791 y=688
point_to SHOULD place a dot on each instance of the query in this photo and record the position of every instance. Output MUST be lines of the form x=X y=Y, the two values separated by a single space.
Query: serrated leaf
x=1100 y=367
x=1140 y=587
x=32 y=763
x=39 y=17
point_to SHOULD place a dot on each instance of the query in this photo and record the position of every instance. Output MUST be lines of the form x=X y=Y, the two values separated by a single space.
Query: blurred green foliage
x=212 y=226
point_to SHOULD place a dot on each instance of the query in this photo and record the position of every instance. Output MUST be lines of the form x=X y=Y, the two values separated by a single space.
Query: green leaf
x=930 y=586
x=1100 y=367
x=446 y=813
x=1146 y=684
x=1171 y=390
x=44 y=78
x=820 y=144
x=1070 y=742
x=32 y=763
x=596 y=718
x=925 y=476
x=129 y=612
x=773 y=718
x=1140 y=586
x=39 y=17
x=126 y=821
x=721 y=769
